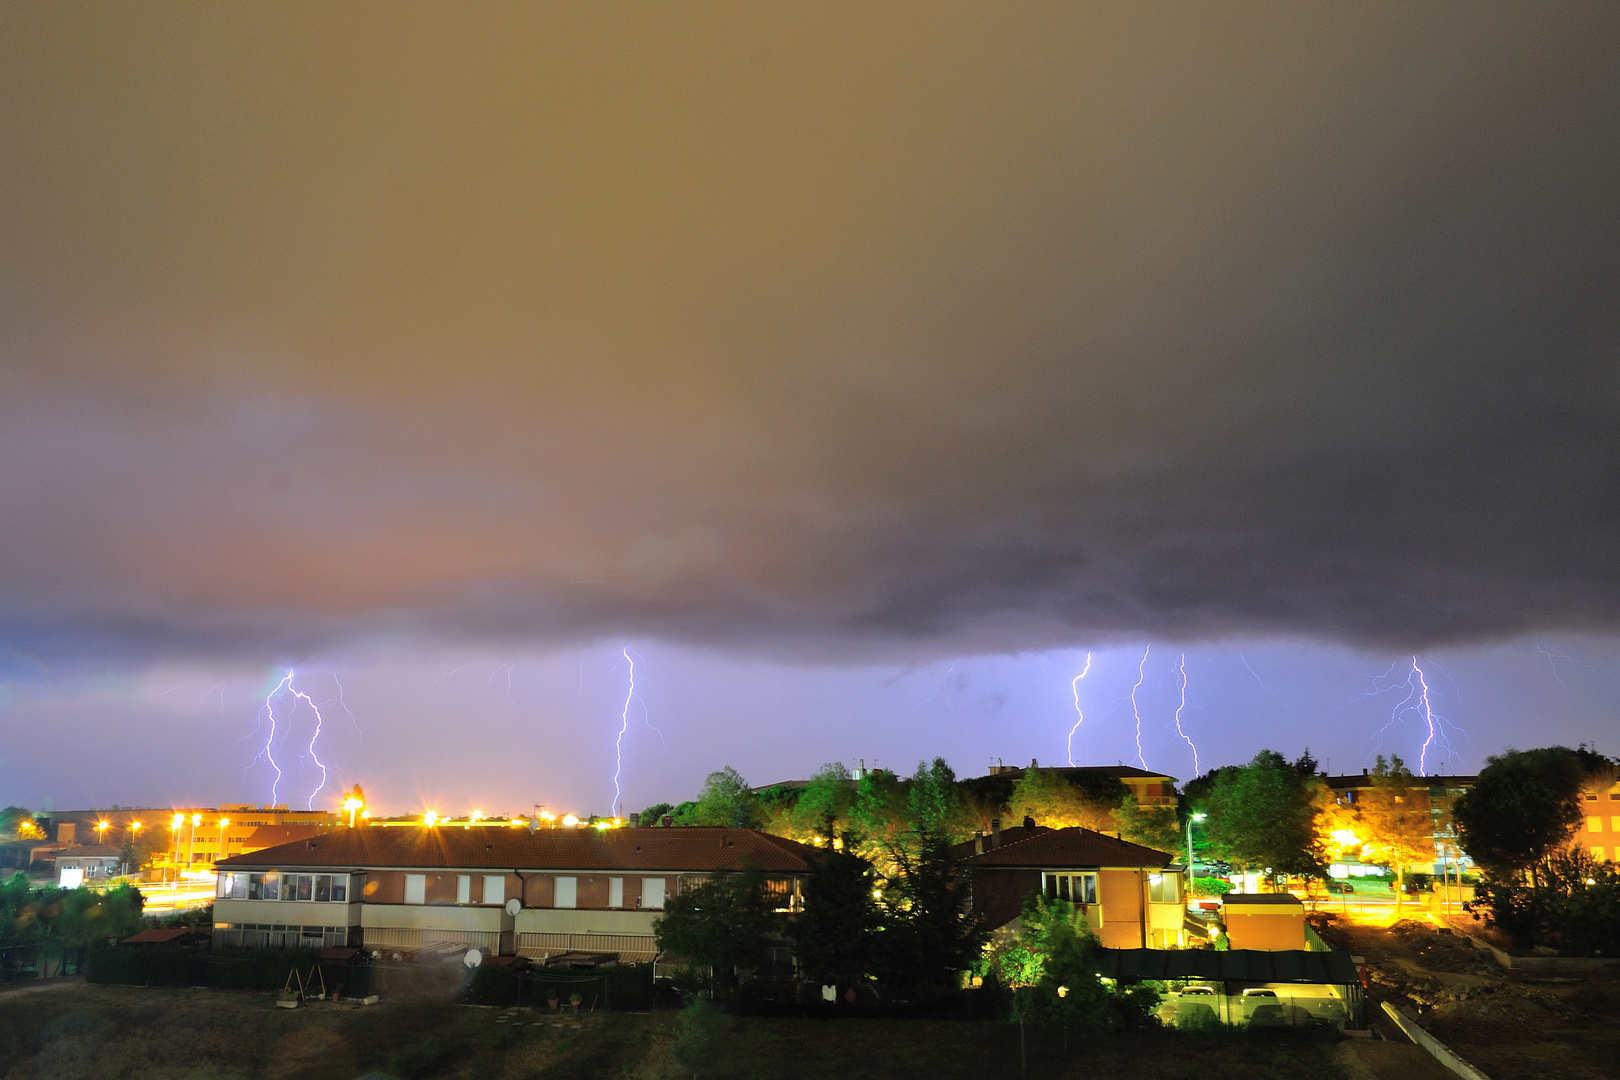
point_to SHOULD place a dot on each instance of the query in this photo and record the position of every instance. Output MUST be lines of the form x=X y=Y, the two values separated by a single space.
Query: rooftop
x=682 y=849
x=1071 y=847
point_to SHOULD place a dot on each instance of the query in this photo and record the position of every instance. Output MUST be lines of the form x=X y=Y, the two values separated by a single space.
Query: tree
x=833 y=937
x=725 y=924
x=726 y=800
x=822 y=806
x=1261 y=816
x=654 y=813
x=1155 y=827
x=1395 y=819
x=1523 y=808
x=1052 y=800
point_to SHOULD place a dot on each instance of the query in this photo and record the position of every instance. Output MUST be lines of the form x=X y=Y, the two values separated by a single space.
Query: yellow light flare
x=1346 y=838
x=570 y=820
x=430 y=819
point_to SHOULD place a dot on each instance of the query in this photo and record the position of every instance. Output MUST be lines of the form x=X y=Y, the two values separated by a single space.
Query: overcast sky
x=809 y=351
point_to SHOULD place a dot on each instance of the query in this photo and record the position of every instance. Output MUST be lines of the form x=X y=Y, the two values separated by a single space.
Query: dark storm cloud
x=800 y=328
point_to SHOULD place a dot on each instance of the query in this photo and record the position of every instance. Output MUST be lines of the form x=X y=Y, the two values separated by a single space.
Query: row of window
x=564 y=894
x=1595 y=824
x=274 y=885
x=1081 y=888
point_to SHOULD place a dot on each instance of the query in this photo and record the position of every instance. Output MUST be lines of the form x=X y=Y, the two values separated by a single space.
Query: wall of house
x=1271 y=931
x=998 y=892
x=1120 y=892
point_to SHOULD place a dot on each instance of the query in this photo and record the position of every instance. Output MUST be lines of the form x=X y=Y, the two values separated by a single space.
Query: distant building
x=503 y=891
x=1443 y=794
x=1599 y=830
x=87 y=864
x=1152 y=789
x=1130 y=894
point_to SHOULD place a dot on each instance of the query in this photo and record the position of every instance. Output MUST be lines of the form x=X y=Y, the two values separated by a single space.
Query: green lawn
x=96 y=1032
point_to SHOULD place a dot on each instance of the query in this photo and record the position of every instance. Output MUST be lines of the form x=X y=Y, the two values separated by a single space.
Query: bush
x=1574 y=905
x=1211 y=886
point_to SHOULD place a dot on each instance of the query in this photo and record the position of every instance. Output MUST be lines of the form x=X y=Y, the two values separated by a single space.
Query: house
x=1268 y=922
x=425 y=890
x=25 y=855
x=173 y=936
x=1130 y=894
x=90 y=863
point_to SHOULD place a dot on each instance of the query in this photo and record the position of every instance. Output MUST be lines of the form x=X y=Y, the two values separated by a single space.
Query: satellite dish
x=513 y=906
x=473 y=958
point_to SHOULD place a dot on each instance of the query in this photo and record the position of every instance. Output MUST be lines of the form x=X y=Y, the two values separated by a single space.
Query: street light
x=130 y=832
x=191 y=840
x=101 y=830
x=1190 y=819
x=174 y=827
x=224 y=821
x=353 y=806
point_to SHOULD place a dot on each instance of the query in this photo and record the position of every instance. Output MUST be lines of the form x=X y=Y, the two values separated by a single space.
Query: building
x=1443 y=794
x=1152 y=789
x=1130 y=894
x=1599 y=830
x=193 y=838
x=87 y=864
x=402 y=892
x=1267 y=922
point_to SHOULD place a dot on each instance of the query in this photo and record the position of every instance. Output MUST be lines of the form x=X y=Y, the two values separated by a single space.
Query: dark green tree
x=654 y=813
x=834 y=936
x=1524 y=807
x=725 y=924
x=1262 y=816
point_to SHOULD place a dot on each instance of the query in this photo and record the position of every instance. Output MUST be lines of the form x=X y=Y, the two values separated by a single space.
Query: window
x=323 y=888
x=1591 y=796
x=416 y=888
x=255 y=886
x=223 y=889
x=1597 y=854
x=270 y=888
x=652 y=893
x=1614 y=823
x=1594 y=824
x=1164 y=888
x=494 y=888
x=1076 y=888
x=306 y=886
x=615 y=892
x=340 y=888
x=464 y=888
x=567 y=894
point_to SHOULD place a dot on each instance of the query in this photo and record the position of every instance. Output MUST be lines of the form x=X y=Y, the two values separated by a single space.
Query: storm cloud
x=817 y=330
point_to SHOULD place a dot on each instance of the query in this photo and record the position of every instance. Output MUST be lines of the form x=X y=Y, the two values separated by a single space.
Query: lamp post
x=191 y=840
x=101 y=830
x=220 y=854
x=133 y=831
x=353 y=806
x=1190 y=819
x=174 y=827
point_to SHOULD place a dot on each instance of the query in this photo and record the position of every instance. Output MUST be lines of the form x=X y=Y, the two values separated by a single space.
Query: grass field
x=96 y=1032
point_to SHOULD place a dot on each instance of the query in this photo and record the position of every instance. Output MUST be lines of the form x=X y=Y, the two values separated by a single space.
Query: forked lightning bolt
x=1181 y=671
x=286 y=685
x=1079 y=717
x=624 y=726
x=1141 y=673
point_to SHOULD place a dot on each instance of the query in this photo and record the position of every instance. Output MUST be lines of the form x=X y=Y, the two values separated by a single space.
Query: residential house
x=500 y=890
x=87 y=864
x=1130 y=895
x=1153 y=790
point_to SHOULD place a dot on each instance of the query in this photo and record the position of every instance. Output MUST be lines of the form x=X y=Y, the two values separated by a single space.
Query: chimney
x=635 y=821
x=978 y=845
x=1363 y=772
x=1029 y=822
x=995 y=833
x=666 y=821
x=1034 y=764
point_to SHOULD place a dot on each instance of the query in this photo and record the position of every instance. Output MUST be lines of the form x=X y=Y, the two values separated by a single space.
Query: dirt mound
x=1441 y=950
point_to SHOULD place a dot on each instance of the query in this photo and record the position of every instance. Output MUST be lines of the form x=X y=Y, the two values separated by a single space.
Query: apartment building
x=1599 y=830
x=501 y=890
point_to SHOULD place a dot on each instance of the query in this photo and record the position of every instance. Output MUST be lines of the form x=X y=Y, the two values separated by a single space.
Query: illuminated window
x=1597 y=854
x=1164 y=888
x=1594 y=824
x=1076 y=888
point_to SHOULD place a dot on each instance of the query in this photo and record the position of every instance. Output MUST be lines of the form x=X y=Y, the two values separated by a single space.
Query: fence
x=42 y=960
x=627 y=987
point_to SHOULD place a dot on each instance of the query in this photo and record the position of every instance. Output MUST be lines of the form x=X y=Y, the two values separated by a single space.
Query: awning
x=1238 y=965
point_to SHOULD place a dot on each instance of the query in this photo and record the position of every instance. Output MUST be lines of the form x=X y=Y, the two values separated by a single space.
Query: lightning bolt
x=1079 y=717
x=624 y=726
x=1141 y=673
x=268 y=752
x=1417 y=700
x=646 y=711
x=1181 y=670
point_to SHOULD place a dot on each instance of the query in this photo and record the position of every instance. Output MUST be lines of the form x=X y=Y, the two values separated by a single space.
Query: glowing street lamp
x=221 y=853
x=174 y=827
x=1190 y=819
x=430 y=819
x=570 y=820
x=101 y=830
x=191 y=840
x=353 y=806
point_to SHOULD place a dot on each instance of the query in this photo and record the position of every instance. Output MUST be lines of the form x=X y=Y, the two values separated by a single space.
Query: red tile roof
x=693 y=849
x=160 y=937
x=1008 y=836
x=275 y=835
x=1075 y=847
